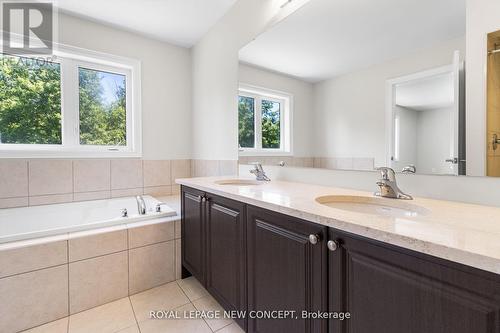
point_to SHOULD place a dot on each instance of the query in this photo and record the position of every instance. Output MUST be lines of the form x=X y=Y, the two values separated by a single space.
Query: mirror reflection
x=356 y=85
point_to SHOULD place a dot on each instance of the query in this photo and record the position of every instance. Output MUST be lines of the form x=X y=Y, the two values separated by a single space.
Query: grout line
x=135 y=316
x=128 y=264
x=67 y=255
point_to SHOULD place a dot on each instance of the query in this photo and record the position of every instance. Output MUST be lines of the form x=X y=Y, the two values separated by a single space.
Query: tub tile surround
x=62 y=278
x=48 y=181
x=131 y=314
x=51 y=181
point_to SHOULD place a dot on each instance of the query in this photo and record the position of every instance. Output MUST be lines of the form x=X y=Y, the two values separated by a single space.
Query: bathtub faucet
x=141 y=205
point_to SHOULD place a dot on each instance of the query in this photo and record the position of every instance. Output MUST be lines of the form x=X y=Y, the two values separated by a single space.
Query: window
x=78 y=103
x=30 y=102
x=264 y=121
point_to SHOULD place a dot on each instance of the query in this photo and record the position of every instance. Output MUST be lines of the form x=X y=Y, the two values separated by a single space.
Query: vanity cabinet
x=287 y=270
x=388 y=289
x=253 y=259
x=214 y=246
x=226 y=253
x=193 y=233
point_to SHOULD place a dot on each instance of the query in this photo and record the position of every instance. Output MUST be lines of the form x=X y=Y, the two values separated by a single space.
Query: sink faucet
x=141 y=205
x=388 y=185
x=259 y=173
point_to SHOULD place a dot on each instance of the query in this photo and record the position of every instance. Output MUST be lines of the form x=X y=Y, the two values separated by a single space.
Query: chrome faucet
x=409 y=169
x=388 y=185
x=259 y=173
x=141 y=205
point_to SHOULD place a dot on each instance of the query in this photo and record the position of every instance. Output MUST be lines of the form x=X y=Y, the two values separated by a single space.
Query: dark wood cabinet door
x=392 y=290
x=285 y=271
x=226 y=253
x=193 y=233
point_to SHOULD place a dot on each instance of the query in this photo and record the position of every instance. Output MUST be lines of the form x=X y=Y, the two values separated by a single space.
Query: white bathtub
x=40 y=221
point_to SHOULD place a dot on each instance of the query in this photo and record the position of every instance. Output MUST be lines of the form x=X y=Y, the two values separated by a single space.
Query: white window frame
x=71 y=59
x=286 y=113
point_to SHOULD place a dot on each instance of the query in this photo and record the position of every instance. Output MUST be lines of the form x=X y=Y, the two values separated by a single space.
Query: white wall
x=483 y=17
x=166 y=82
x=302 y=92
x=350 y=109
x=215 y=75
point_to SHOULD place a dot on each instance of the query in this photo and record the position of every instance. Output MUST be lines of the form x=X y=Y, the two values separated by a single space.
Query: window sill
x=62 y=154
x=264 y=153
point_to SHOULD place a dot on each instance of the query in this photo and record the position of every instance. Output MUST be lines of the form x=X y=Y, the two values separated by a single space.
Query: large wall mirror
x=355 y=85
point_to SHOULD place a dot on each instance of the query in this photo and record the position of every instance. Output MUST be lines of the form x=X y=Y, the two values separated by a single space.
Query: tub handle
x=158 y=206
x=124 y=212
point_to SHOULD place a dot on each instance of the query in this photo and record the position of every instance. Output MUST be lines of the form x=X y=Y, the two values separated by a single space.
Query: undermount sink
x=372 y=205
x=238 y=182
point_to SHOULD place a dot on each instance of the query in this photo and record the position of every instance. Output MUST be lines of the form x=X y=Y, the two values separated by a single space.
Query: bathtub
x=25 y=223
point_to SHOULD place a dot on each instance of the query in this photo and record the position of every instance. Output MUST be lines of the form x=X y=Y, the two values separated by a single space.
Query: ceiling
x=326 y=38
x=181 y=22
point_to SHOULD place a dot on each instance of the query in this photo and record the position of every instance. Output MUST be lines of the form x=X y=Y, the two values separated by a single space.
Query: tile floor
x=131 y=314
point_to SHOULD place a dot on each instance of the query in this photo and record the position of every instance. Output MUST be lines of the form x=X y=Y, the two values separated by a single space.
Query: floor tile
x=175 y=325
x=166 y=297
x=208 y=303
x=233 y=328
x=131 y=329
x=192 y=288
x=107 y=318
x=58 y=326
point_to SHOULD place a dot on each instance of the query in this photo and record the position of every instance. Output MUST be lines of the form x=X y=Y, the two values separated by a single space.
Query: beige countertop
x=464 y=233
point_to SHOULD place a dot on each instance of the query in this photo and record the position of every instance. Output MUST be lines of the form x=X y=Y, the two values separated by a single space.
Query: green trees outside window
x=246 y=120
x=270 y=123
x=271 y=130
x=30 y=101
x=102 y=108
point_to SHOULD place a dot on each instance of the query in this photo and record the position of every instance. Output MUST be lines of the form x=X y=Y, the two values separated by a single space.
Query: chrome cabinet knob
x=314 y=239
x=332 y=245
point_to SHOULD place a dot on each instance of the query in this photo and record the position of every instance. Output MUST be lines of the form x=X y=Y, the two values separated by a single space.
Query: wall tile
x=178 y=226
x=151 y=234
x=50 y=177
x=91 y=175
x=97 y=245
x=151 y=266
x=127 y=192
x=126 y=174
x=176 y=189
x=13 y=178
x=156 y=173
x=34 y=257
x=178 y=259
x=97 y=281
x=34 y=298
x=50 y=199
x=228 y=168
x=14 y=202
x=180 y=169
x=158 y=191
x=86 y=196
x=365 y=164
